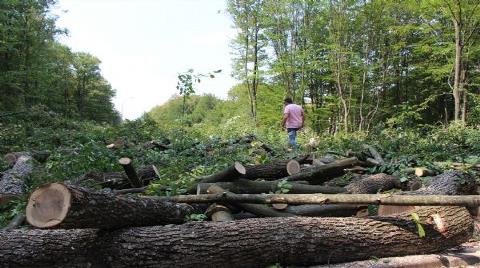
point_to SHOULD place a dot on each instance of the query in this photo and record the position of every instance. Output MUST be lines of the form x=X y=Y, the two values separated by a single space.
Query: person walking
x=293 y=120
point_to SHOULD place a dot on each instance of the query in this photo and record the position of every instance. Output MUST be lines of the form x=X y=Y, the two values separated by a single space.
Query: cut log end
x=293 y=167
x=240 y=168
x=48 y=205
x=125 y=161
x=280 y=206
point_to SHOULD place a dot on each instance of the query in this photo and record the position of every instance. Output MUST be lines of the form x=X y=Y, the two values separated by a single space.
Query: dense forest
x=391 y=95
x=354 y=64
x=35 y=69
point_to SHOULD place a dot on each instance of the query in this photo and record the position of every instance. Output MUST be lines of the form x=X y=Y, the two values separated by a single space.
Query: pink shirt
x=294 y=115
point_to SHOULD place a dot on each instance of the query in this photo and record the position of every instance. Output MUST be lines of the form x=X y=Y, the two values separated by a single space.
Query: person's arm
x=303 y=119
x=285 y=117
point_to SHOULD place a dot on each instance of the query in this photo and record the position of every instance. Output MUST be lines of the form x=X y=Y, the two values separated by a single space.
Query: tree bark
x=23 y=248
x=320 y=174
x=288 y=241
x=66 y=206
x=275 y=170
x=11 y=181
x=244 y=186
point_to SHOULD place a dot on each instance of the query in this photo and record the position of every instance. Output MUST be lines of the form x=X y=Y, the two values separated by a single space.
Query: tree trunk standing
x=457 y=83
x=288 y=241
x=255 y=65
x=22 y=248
x=67 y=206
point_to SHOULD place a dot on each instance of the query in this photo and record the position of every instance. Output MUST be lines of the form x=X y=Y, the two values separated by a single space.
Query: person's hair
x=288 y=100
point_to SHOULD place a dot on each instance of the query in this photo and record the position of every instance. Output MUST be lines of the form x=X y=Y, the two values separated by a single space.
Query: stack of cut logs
x=260 y=215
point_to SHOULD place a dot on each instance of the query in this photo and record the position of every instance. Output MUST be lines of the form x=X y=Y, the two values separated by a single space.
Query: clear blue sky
x=144 y=44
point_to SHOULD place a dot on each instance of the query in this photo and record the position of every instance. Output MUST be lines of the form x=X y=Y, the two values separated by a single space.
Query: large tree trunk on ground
x=246 y=243
x=288 y=241
x=275 y=170
x=229 y=174
x=244 y=186
x=12 y=181
x=46 y=248
x=320 y=174
x=67 y=206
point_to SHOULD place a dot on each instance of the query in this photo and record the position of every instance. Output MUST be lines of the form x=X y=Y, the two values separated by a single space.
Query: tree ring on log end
x=124 y=161
x=293 y=167
x=48 y=205
x=240 y=168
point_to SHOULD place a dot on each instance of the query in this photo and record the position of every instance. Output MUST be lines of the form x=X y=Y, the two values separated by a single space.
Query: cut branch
x=229 y=174
x=244 y=186
x=275 y=170
x=320 y=174
x=257 y=209
x=130 y=171
x=354 y=199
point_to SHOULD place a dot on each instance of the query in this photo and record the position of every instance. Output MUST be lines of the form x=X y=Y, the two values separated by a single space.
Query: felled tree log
x=320 y=174
x=219 y=213
x=67 y=206
x=354 y=199
x=368 y=185
x=373 y=184
x=275 y=170
x=288 y=241
x=337 y=210
x=448 y=183
x=12 y=183
x=420 y=172
x=375 y=154
x=118 y=180
x=229 y=174
x=244 y=186
x=257 y=209
x=21 y=248
x=40 y=156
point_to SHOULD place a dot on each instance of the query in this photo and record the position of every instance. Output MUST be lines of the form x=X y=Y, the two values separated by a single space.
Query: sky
x=144 y=44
